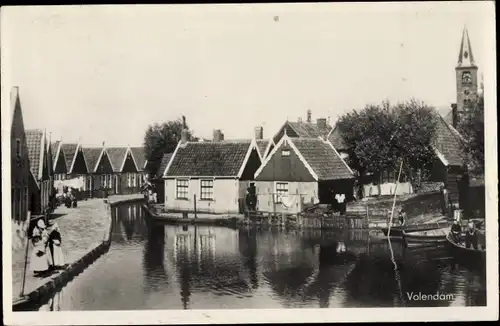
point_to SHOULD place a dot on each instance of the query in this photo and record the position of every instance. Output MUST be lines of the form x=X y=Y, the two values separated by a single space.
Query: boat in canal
x=400 y=231
x=476 y=257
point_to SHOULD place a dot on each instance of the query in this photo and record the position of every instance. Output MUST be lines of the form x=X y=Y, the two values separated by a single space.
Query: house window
x=281 y=191
x=182 y=186
x=109 y=181
x=285 y=153
x=18 y=147
x=207 y=190
x=134 y=180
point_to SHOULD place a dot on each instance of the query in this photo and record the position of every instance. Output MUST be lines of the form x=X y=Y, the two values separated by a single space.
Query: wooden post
x=194 y=206
x=28 y=221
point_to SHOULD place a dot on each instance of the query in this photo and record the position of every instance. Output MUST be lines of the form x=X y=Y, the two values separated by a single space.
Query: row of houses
x=37 y=165
x=303 y=163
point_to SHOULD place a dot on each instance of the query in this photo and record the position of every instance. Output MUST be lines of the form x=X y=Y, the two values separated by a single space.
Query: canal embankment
x=85 y=234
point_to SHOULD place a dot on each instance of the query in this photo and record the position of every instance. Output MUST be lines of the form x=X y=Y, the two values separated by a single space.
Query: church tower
x=466 y=78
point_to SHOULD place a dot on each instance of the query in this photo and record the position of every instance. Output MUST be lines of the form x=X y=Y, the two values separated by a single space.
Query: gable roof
x=318 y=156
x=335 y=138
x=55 y=151
x=304 y=129
x=35 y=140
x=262 y=145
x=69 y=150
x=226 y=158
x=92 y=157
x=163 y=165
x=448 y=143
x=139 y=155
x=117 y=156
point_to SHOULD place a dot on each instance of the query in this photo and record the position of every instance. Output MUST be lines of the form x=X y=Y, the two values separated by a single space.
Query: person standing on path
x=55 y=247
x=39 y=262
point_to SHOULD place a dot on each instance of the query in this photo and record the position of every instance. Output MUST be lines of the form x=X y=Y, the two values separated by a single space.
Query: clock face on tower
x=466 y=77
x=466 y=92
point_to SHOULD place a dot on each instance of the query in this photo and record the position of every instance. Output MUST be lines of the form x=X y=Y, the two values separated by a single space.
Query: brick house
x=214 y=173
x=301 y=171
x=20 y=164
x=126 y=174
x=42 y=183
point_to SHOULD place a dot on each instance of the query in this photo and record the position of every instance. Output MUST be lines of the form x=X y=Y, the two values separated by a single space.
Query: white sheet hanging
x=288 y=201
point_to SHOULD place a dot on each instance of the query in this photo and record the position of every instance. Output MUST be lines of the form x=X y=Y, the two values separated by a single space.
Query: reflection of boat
x=466 y=254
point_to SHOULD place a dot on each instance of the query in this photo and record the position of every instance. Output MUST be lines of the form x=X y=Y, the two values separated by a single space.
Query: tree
x=379 y=136
x=161 y=138
x=471 y=127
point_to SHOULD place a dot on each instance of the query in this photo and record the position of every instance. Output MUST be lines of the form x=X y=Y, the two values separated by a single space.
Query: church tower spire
x=466 y=78
x=465 y=56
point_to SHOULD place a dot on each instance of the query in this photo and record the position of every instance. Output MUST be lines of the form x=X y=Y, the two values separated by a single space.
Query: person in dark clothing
x=471 y=236
x=402 y=217
x=456 y=231
x=54 y=244
x=250 y=200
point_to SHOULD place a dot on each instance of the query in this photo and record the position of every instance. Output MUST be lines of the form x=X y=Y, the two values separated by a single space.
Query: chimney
x=103 y=144
x=308 y=115
x=259 y=132
x=218 y=135
x=184 y=136
x=454 y=115
x=299 y=119
x=321 y=123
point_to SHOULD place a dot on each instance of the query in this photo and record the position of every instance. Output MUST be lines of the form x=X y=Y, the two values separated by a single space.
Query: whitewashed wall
x=302 y=192
x=225 y=197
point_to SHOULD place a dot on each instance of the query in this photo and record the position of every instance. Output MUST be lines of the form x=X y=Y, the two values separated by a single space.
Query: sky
x=104 y=73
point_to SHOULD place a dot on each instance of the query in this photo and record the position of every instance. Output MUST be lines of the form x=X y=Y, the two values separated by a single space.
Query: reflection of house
x=298 y=171
x=40 y=164
x=20 y=164
x=216 y=173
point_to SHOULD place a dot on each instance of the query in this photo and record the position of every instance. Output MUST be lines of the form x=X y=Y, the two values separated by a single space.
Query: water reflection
x=157 y=266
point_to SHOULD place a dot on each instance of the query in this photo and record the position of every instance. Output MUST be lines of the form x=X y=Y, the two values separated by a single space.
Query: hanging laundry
x=288 y=201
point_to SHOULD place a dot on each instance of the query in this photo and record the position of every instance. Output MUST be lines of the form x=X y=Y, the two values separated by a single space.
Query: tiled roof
x=262 y=145
x=69 y=153
x=54 y=146
x=449 y=118
x=116 y=157
x=139 y=156
x=448 y=142
x=91 y=155
x=322 y=158
x=335 y=138
x=222 y=159
x=164 y=162
x=34 y=140
x=308 y=129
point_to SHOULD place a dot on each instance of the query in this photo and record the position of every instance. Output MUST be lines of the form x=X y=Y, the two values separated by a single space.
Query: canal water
x=155 y=266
